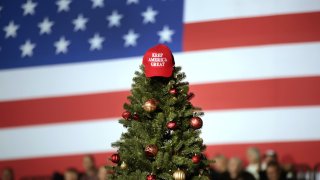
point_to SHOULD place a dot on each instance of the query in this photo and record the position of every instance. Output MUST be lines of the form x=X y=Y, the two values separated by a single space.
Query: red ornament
x=172 y=125
x=126 y=115
x=136 y=116
x=196 y=159
x=151 y=150
x=196 y=122
x=115 y=158
x=173 y=91
x=150 y=105
x=151 y=177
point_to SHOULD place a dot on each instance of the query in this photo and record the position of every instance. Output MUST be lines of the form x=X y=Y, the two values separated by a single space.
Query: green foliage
x=176 y=147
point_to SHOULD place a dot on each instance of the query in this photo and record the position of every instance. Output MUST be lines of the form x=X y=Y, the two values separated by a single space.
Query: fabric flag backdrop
x=66 y=68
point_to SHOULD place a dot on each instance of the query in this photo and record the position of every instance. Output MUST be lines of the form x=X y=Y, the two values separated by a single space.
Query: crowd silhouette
x=259 y=166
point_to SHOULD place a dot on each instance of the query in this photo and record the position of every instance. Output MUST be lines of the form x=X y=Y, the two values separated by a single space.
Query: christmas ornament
x=173 y=91
x=151 y=177
x=136 y=116
x=123 y=165
x=151 y=150
x=115 y=158
x=126 y=115
x=196 y=122
x=172 y=125
x=150 y=105
x=196 y=159
x=179 y=175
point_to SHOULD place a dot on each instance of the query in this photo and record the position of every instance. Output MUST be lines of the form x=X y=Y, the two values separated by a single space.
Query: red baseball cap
x=158 y=61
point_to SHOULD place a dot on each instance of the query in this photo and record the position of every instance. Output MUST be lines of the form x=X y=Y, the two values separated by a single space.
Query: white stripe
x=205 y=10
x=262 y=125
x=58 y=139
x=220 y=127
x=233 y=64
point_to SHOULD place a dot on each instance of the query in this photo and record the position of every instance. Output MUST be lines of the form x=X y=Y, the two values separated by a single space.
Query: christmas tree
x=162 y=138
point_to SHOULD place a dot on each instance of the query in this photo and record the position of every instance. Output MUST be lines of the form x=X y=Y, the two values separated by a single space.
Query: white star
x=114 y=19
x=62 y=45
x=27 y=48
x=80 y=23
x=63 y=5
x=97 y=3
x=130 y=38
x=11 y=30
x=132 y=2
x=96 y=42
x=149 y=15
x=165 y=34
x=28 y=7
x=45 y=26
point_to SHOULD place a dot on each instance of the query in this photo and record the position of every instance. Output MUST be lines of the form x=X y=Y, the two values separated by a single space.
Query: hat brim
x=158 y=73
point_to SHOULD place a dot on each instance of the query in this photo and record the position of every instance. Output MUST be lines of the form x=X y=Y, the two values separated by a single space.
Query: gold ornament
x=150 y=105
x=123 y=165
x=179 y=175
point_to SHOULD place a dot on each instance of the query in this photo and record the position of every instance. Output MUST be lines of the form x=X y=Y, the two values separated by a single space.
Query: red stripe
x=298 y=152
x=227 y=95
x=61 y=109
x=258 y=93
x=252 y=31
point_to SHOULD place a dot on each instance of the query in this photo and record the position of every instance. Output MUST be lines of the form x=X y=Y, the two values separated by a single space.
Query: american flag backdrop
x=66 y=67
